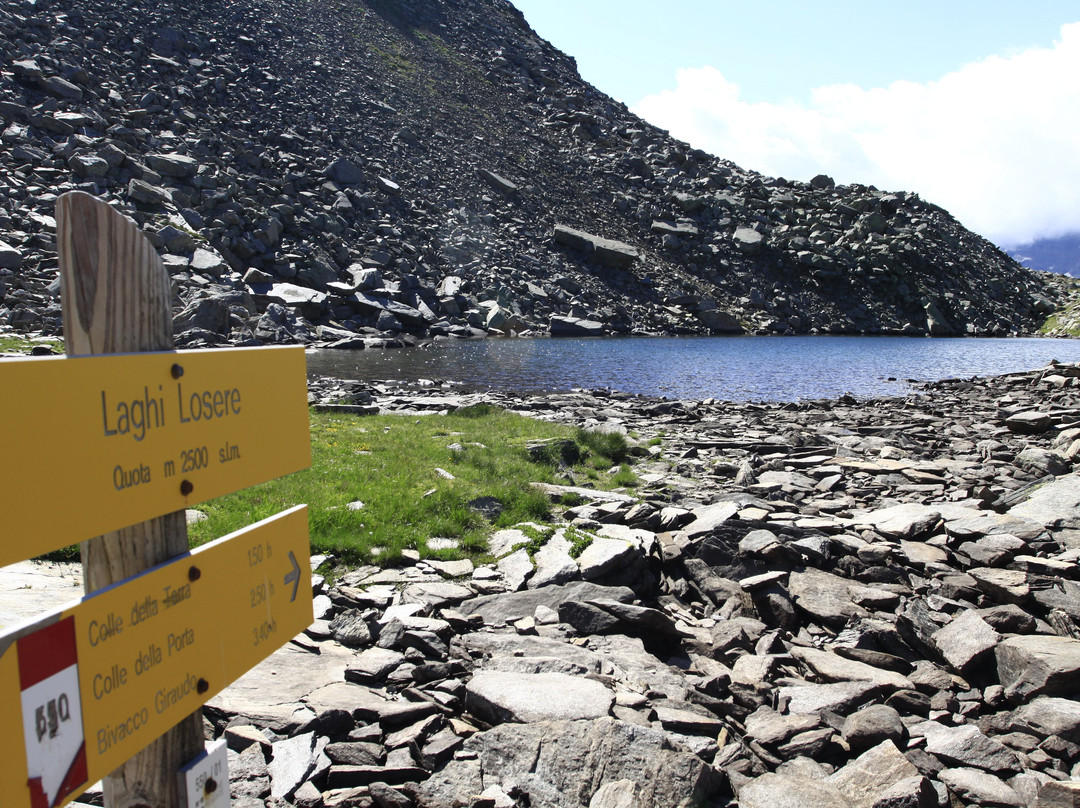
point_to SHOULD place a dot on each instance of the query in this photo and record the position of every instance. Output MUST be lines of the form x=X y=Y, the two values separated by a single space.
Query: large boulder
x=1056 y=504
x=499 y=697
x=575 y=327
x=719 y=321
x=606 y=252
x=791 y=791
x=748 y=240
x=563 y=764
x=1038 y=665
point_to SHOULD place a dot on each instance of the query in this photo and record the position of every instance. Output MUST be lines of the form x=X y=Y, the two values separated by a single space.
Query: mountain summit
x=356 y=170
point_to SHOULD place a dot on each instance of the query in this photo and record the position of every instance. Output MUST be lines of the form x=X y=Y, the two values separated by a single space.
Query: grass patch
x=537 y=539
x=1065 y=323
x=17 y=343
x=389 y=463
x=579 y=542
x=608 y=445
x=625 y=477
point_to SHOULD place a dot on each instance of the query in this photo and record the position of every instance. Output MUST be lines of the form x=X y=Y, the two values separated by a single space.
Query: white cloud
x=997 y=143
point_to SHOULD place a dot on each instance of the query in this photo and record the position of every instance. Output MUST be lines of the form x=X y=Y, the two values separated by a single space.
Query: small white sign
x=53 y=730
x=204 y=782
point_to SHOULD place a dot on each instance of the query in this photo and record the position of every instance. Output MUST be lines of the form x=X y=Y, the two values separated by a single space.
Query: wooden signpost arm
x=116 y=300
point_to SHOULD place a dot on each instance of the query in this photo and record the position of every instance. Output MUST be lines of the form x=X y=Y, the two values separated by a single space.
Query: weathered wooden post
x=115 y=295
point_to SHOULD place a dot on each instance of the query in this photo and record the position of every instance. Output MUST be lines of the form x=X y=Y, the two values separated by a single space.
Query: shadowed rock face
x=278 y=146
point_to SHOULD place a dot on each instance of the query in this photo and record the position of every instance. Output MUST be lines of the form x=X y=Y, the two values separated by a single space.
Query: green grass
x=389 y=463
x=537 y=539
x=1063 y=323
x=16 y=343
x=610 y=445
x=625 y=478
x=578 y=542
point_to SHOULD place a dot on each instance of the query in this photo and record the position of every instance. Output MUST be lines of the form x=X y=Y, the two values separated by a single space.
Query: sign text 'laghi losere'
x=132 y=436
x=138 y=416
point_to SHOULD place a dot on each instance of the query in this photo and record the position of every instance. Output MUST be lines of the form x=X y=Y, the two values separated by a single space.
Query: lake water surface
x=729 y=368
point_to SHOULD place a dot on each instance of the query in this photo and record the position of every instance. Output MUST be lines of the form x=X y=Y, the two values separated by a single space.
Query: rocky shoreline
x=836 y=603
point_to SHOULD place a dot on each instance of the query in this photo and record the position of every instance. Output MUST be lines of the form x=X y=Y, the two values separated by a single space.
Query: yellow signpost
x=107 y=447
x=128 y=437
x=96 y=681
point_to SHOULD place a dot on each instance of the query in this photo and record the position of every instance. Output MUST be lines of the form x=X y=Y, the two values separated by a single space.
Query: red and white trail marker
x=52 y=713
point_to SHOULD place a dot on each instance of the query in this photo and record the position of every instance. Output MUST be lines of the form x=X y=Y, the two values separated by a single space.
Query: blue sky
x=975 y=105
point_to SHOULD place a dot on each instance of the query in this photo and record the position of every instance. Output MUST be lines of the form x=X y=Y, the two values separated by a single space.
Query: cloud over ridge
x=996 y=142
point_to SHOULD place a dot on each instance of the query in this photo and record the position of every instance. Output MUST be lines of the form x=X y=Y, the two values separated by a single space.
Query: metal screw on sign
x=186 y=487
x=177 y=371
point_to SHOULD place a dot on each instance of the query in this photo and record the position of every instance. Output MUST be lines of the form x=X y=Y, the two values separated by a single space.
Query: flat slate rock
x=495 y=646
x=270 y=694
x=707 y=519
x=768 y=727
x=503 y=541
x=968 y=639
x=511 y=606
x=906 y=521
x=836 y=668
x=500 y=697
x=980 y=787
x=373 y=664
x=587 y=494
x=604 y=555
x=790 y=791
x=675 y=719
x=813 y=698
x=30 y=588
x=515 y=569
x=863 y=779
x=366 y=704
x=554 y=564
x=976 y=524
x=1048 y=715
x=436 y=595
x=824 y=596
x=1056 y=504
x=966 y=746
x=295 y=760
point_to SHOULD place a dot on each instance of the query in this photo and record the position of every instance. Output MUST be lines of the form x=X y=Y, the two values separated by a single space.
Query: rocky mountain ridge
x=1060 y=254
x=357 y=172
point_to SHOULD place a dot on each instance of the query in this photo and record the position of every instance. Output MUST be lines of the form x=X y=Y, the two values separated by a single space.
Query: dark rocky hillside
x=356 y=170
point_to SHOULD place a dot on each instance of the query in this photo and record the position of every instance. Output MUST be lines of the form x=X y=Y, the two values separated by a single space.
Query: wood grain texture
x=115 y=295
x=115 y=289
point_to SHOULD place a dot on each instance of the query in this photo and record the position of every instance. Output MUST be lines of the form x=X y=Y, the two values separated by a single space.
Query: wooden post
x=116 y=300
